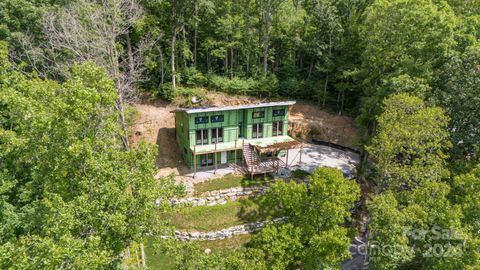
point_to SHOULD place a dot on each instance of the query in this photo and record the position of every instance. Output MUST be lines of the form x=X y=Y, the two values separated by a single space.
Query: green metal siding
x=229 y=125
x=267 y=120
x=186 y=129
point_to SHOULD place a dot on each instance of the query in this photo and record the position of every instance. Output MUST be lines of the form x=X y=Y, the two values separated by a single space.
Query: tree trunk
x=266 y=38
x=195 y=35
x=248 y=36
x=113 y=57
x=123 y=122
x=131 y=64
x=231 y=62
x=328 y=69
x=266 y=35
x=310 y=69
x=342 y=103
x=325 y=89
x=184 y=35
x=225 y=63
x=162 y=69
x=174 y=41
x=208 y=60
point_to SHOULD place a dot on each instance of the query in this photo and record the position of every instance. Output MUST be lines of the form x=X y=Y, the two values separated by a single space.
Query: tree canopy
x=70 y=195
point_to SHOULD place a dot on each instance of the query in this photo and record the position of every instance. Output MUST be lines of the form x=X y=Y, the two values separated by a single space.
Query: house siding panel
x=186 y=129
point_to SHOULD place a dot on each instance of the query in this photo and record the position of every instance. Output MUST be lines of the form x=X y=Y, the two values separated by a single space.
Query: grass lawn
x=226 y=245
x=163 y=261
x=217 y=217
x=230 y=181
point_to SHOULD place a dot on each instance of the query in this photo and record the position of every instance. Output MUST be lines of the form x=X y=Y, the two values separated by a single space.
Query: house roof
x=236 y=107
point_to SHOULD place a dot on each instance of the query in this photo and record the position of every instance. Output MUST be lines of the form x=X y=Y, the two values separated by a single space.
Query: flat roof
x=236 y=107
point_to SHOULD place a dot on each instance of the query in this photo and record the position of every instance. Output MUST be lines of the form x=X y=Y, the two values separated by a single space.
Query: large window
x=206 y=160
x=277 y=128
x=257 y=131
x=201 y=136
x=217 y=135
x=216 y=118
x=279 y=112
x=260 y=114
x=201 y=120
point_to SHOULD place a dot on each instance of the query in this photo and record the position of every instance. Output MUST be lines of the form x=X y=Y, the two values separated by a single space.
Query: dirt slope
x=308 y=121
x=155 y=124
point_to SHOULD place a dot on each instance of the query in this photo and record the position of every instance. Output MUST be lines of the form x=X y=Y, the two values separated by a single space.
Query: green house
x=253 y=135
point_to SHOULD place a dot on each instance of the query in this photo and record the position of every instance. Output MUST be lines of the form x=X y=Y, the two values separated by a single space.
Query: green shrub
x=267 y=86
x=264 y=86
x=190 y=76
x=167 y=92
x=184 y=96
x=293 y=87
x=235 y=85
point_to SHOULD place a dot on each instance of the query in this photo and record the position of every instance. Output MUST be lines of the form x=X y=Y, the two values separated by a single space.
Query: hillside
x=155 y=124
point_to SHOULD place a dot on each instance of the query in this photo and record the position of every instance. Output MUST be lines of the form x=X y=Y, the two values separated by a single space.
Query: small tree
x=312 y=235
x=411 y=144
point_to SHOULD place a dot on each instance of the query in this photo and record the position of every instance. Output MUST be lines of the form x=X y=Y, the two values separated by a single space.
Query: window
x=201 y=120
x=260 y=114
x=216 y=118
x=280 y=112
x=257 y=131
x=277 y=128
x=217 y=135
x=240 y=130
x=202 y=136
x=206 y=160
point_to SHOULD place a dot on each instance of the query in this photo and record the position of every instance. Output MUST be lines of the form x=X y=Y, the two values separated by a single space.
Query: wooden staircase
x=249 y=156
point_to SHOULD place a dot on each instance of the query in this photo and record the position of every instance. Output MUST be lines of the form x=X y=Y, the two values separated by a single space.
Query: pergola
x=252 y=151
x=273 y=164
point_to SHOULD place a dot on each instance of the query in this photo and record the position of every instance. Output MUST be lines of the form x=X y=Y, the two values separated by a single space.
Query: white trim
x=236 y=107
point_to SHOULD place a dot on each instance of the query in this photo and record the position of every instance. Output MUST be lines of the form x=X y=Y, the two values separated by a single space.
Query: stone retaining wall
x=225 y=233
x=221 y=196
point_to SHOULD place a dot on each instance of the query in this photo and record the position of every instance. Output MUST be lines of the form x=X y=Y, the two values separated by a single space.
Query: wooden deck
x=266 y=166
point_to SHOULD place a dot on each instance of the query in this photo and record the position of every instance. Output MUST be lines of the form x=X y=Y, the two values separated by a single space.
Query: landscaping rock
x=225 y=233
x=221 y=196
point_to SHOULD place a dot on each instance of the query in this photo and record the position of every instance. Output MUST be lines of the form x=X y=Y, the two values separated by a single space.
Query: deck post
x=215 y=158
x=301 y=150
x=286 y=160
x=194 y=162
x=253 y=164
x=235 y=167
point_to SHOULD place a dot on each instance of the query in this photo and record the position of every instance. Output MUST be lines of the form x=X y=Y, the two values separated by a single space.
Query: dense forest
x=75 y=194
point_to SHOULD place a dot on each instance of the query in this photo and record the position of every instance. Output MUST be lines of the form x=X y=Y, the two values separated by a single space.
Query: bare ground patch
x=155 y=124
x=308 y=121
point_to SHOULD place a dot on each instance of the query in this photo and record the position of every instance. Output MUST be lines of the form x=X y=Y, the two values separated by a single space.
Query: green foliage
x=190 y=76
x=412 y=143
x=183 y=96
x=227 y=85
x=70 y=195
x=466 y=193
x=420 y=229
x=261 y=87
x=280 y=244
x=314 y=216
x=167 y=92
x=458 y=91
x=394 y=50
